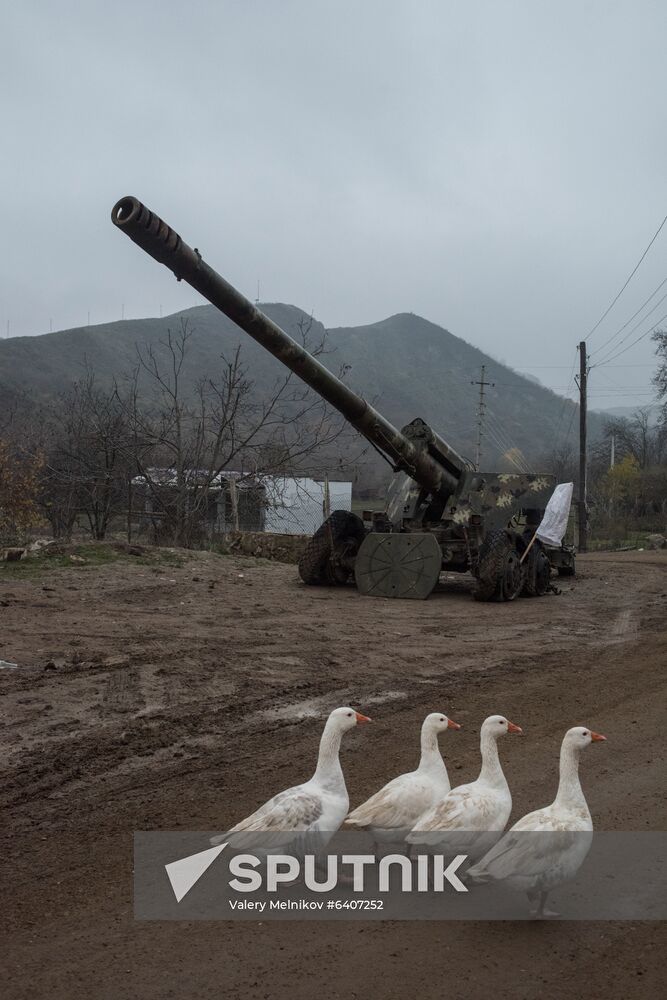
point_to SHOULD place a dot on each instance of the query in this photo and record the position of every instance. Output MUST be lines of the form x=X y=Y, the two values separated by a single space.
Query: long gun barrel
x=160 y=241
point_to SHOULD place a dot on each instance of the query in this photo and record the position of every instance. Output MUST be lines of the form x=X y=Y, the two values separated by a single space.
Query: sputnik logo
x=283 y=868
x=186 y=872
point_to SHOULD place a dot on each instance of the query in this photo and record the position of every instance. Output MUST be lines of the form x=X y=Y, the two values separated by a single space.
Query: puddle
x=309 y=708
x=381 y=698
x=319 y=708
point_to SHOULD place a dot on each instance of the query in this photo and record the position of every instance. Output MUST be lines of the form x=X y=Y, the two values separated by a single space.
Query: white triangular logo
x=186 y=872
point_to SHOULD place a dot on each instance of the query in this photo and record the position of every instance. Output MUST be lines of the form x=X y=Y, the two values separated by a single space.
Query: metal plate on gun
x=405 y=565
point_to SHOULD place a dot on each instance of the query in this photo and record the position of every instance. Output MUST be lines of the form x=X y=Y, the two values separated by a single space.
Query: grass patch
x=85 y=557
x=636 y=540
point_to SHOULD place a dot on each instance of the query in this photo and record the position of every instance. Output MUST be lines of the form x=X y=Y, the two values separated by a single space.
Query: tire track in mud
x=123 y=691
x=179 y=692
x=187 y=698
x=227 y=720
x=626 y=627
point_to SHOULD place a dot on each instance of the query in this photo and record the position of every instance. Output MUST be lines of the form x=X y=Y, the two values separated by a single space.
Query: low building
x=297 y=506
x=234 y=501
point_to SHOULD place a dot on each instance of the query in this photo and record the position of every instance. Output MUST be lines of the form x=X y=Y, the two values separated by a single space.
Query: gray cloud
x=497 y=167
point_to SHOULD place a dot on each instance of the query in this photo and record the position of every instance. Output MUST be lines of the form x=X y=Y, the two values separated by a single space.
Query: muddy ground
x=184 y=694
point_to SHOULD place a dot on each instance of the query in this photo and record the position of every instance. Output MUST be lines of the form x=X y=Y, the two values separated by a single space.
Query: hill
x=627 y=412
x=404 y=365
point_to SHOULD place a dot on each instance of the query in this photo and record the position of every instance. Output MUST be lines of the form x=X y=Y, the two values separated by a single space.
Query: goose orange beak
x=362 y=718
x=452 y=725
x=511 y=728
x=597 y=736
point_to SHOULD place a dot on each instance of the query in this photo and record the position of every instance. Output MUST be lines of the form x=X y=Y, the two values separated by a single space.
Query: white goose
x=471 y=817
x=390 y=814
x=307 y=813
x=535 y=865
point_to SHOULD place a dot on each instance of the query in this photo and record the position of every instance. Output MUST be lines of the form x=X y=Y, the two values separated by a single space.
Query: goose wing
x=395 y=806
x=464 y=808
x=537 y=843
x=274 y=824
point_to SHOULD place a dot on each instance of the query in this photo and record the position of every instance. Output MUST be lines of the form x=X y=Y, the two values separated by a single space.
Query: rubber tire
x=519 y=583
x=491 y=563
x=532 y=588
x=342 y=526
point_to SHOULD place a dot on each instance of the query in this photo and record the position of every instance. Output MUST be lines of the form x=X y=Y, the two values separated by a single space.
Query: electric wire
x=505 y=452
x=509 y=447
x=570 y=383
x=630 y=346
x=626 y=324
x=611 y=350
x=627 y=281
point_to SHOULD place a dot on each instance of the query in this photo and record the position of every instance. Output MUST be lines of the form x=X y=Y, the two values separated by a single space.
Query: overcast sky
x=497 y=167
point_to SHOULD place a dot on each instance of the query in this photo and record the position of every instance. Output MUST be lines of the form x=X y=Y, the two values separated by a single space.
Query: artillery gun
x=440 y=514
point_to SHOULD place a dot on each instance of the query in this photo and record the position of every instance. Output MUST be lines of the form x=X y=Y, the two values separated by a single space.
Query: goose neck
x=570 y=792
x=430 y=750
x=492 y=772
x=328 y=763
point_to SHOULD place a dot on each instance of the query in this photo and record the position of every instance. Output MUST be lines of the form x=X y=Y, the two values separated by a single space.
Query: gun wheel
x=341 y=533
x=500 y=575
x=538 y=573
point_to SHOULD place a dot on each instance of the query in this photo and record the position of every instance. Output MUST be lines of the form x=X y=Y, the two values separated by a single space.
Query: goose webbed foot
x=540 y=910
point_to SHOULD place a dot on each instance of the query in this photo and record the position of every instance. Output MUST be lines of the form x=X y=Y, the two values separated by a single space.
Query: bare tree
x=561 y=462
x=186 y=434
x=638 y=437
x=87 y=447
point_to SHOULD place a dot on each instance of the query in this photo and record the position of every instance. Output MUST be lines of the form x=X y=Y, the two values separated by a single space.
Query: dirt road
x=185 y=694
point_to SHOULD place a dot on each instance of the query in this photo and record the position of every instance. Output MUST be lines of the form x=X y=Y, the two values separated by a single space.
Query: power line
x=621 y=329
x=635 y=327
x=498 y=435
x=625 y=349
x=506 y=452
x=501 y=435
x=509 y=446
x=567 y=388
x=564 y=367
x=565 y=399
x=628 y=280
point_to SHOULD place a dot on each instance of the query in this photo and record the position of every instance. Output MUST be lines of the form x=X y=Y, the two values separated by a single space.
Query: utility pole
x=326 y=502
x=480 y=415
x=582 y=382
x=234 y=498
x=612 y=462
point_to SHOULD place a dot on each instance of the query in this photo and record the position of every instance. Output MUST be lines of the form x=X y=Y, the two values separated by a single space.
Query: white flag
x=554 y=523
